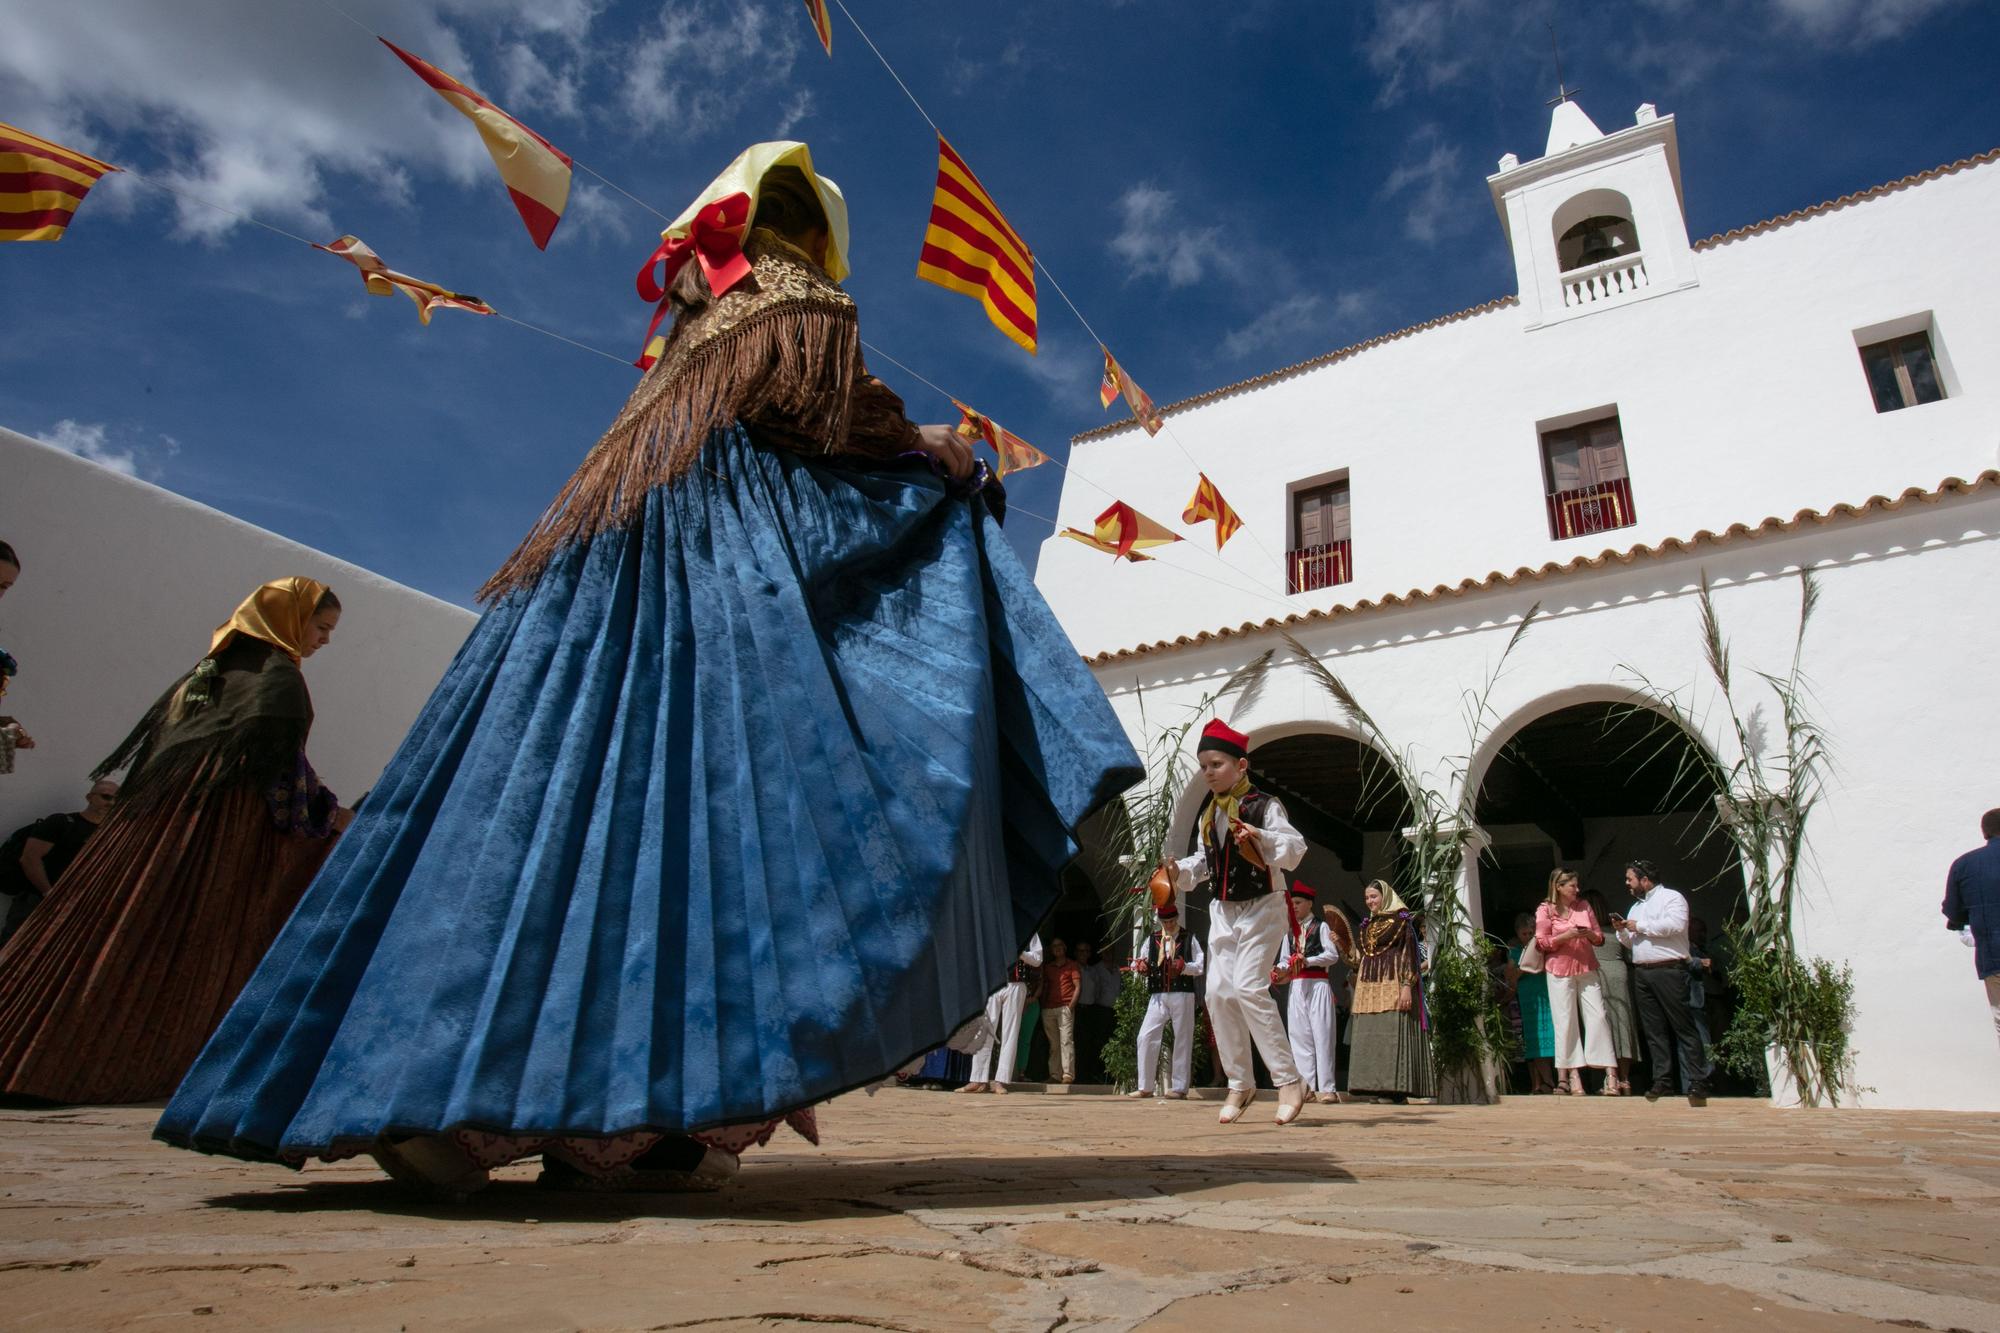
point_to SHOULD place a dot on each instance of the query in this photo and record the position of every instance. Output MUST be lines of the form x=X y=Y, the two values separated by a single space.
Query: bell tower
x=1597 y=222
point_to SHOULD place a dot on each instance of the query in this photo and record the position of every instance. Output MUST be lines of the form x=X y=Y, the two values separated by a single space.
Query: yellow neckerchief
x=279 y=613
x=1231 y=802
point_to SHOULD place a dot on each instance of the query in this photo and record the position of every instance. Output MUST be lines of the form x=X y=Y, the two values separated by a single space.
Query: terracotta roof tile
x=1875 y=504
x=1499 y=303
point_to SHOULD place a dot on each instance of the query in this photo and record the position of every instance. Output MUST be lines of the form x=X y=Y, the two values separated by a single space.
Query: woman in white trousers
x=1566 y=932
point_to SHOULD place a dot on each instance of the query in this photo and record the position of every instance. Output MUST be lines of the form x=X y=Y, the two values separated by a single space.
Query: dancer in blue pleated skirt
x=755 y=777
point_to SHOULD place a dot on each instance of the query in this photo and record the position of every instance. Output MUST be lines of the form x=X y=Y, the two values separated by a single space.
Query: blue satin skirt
x=740 y=807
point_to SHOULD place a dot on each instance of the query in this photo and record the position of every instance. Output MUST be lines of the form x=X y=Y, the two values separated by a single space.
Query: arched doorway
x=1589 y=787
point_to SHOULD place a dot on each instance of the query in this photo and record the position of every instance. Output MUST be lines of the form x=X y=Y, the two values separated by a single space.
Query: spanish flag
x=384 y=281
x=41 y=184
x=1208 y=503
x=970 y=249
x=1016 y=454
x=822 y=23
x=1115 y=382
x=1123 y=531
x=536 y=171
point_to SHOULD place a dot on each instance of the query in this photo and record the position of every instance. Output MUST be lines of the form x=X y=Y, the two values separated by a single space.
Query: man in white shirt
x=1171 y=963
x=1657 y=933
x=1003 y=1014
x=1247 y=845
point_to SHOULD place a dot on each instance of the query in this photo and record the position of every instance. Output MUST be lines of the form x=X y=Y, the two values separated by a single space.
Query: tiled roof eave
x=1875 y=504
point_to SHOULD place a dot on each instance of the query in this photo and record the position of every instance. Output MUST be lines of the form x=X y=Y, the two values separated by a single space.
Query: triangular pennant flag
x=384 y=281
x=1096 y=543
x=537 y=173
x=1125 y=529
x=1209 y=504
x=1016 y=454
x=822 y=23
x=1115 y=382
x=970 y=249
x=41 y=185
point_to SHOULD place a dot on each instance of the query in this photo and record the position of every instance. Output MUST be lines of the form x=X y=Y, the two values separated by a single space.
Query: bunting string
x=1042 y=267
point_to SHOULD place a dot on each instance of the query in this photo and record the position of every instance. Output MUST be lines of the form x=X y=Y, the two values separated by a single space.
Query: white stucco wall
x=1740 y=398
x=1900 y=658
x=121 y=586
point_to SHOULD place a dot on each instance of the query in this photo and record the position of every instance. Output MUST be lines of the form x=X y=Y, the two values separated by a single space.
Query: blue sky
x=1222 y=189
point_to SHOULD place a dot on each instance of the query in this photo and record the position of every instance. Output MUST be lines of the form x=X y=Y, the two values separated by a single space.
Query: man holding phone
x=1657 y=934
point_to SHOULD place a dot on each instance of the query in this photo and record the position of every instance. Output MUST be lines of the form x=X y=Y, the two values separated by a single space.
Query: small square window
x=1583 y=473
x=1322 y=551
x=1902 y=372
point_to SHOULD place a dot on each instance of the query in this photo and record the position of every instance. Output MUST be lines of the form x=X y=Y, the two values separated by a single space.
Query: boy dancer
x=1247 y=844
x=1309 y=1007
x=1003 y=1015
x=1170 y=964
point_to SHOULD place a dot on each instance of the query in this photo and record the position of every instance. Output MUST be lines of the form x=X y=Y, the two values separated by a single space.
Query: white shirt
x=1320 y=949
x=1190 y=952
x=1657 y=927
x=1100 y=985
x=1283 y=847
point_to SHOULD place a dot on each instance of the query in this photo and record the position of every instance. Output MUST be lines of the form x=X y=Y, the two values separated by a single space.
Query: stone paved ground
x=927 y=1211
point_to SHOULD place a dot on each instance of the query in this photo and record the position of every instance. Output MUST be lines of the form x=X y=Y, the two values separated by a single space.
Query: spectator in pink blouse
x=1566 y=931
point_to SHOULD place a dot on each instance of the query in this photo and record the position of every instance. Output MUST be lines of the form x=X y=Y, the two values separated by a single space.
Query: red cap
x=1301 y=889
x=1219 y=735
x=1168 y=912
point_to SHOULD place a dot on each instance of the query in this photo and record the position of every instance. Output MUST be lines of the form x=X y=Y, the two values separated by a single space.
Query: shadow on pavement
x=813 y=1191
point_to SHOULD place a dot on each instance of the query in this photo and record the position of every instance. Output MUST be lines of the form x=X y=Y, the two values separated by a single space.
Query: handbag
x=1530 y=959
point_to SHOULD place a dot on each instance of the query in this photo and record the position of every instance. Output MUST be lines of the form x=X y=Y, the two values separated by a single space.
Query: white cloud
x=91 y=441
x=1420 y=44
x=1430 y=172
x=795 y=113
x=252 y=115
x=1299 y=315
x=701 y=63
x=1856 y=22
x=594 y=213
x=1154 y=241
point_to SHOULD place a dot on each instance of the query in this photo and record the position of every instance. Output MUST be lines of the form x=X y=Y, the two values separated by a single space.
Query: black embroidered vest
x=1231 y=876
x=1157 y=981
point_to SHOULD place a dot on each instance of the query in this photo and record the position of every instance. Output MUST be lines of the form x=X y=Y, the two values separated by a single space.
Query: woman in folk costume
x=757 y=775
x=1303 y=959
x=111 y=986
x=1171 y=963
x=1390 y=1047
x=1246 y=846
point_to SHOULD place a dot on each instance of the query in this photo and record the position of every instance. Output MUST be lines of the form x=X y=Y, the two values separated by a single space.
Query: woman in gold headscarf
x=1391 y=1043
x=113 y=984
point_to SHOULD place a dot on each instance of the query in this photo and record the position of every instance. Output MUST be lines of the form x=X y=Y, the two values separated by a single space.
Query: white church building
x=1814 y=392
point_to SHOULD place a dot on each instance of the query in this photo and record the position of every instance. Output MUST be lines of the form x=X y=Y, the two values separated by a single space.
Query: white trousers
x=1310 y=1019
x=1178 y=1009
x=1592 y=1044
x=1003 y=1014
x=1243 y=940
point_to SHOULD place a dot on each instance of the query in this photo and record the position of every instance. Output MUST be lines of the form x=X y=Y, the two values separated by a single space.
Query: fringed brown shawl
x=780 y=353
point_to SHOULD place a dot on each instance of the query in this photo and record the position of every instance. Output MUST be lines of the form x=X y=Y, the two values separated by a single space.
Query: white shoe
x=432 y=1164
x=1232 y=1108
x=1291 y=1100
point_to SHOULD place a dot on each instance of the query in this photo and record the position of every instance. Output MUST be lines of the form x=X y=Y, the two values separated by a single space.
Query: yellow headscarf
x=278 y=613
x=1392 y=902
x=746 y=176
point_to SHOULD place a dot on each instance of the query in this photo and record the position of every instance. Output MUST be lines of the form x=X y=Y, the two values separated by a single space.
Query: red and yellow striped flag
x=41 y=184
x=1123 y=531
x=1208 y=503
x=822 y=23
x=384 y=281
x=970 y=249
x=1016 y=454
x=1115 y=382
x=536 y=171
